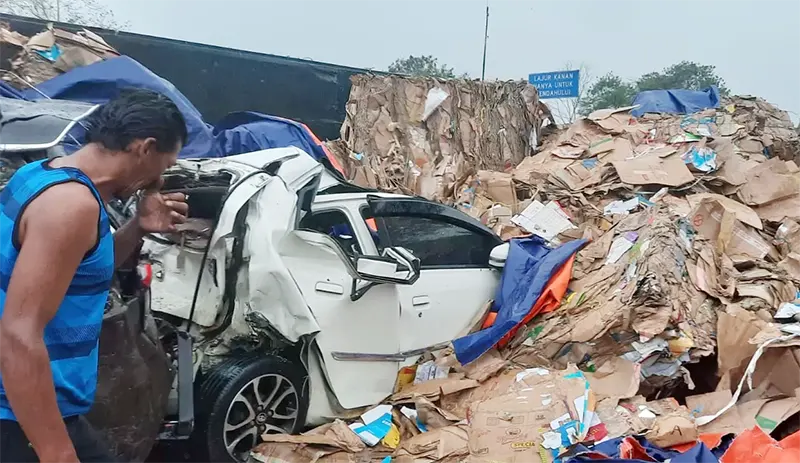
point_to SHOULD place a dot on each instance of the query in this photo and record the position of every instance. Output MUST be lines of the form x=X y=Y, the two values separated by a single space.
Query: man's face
x=147 y=165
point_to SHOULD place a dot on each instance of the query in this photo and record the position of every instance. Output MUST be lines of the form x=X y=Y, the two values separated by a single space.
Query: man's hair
x=137 y=114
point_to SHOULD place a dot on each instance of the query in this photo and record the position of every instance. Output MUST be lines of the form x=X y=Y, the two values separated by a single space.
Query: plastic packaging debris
x=621 y=207
x=377 y=423
x=392 y=438
x=701 y=158
x=436 y=97
x=428 y=371
x=620 y=246
x=412 y=415
x=789 y=311
x=545 y=220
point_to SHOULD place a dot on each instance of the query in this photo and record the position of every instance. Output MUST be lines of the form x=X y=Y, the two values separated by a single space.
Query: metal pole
x=485 y=41
x=58 y=10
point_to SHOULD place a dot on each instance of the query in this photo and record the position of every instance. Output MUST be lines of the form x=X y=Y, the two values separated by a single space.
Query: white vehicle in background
x=305 y=295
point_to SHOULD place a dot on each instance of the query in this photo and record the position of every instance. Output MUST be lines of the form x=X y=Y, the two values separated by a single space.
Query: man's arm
x=55 y=232
x=126 y=240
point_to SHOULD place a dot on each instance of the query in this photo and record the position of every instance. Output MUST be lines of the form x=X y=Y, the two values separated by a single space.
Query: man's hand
x=160 y=213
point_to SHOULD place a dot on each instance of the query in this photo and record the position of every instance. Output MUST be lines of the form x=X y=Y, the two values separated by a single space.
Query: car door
x=455 y=279
x=366 y=325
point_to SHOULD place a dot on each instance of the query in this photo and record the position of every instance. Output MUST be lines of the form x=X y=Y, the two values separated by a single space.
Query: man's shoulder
x=68 y=209
x=67 y=198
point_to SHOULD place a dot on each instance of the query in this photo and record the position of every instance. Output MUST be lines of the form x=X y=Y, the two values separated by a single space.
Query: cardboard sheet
x=507 y=428
x=770 y=181
x=737 y=238
x=434 y=445
x=743 y=213
x=655 y=170
x=617 y=378
x=433 y=389
x=711 y=403
x=672 y=429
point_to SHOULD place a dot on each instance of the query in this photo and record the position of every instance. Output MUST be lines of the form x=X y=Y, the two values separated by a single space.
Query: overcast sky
x=755 y=44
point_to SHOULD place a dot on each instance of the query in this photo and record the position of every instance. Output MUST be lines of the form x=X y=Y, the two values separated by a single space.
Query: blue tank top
x=72 y=336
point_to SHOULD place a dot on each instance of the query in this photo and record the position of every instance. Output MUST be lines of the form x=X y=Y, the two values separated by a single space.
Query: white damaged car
x=302 y=295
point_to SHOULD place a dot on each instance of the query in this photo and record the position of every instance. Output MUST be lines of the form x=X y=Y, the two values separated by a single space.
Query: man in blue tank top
x=57 y=260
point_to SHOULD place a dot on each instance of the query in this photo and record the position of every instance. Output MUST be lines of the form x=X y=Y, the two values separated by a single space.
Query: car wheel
x=242 y=398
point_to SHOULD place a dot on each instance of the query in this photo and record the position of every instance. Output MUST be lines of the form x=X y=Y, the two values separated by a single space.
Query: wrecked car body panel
x=269 y=204
x=272 y=290
x=41 y=125
x=368 y=324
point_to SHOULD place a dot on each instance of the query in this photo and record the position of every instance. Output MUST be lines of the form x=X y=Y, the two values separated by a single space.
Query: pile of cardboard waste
x=496 y=410
x=421 y=136
x=681 y=326
x=29 y=61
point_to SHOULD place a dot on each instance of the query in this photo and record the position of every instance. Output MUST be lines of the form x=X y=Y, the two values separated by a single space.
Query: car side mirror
x=395 y=265
x=498 y=256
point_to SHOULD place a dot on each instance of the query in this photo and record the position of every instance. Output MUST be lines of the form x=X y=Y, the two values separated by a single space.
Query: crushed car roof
x=30 y=126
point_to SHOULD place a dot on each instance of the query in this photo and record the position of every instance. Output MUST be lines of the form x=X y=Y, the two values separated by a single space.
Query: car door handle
x=420 y=300
x=330 y=288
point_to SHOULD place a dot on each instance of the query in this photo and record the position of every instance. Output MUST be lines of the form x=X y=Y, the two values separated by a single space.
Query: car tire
x=228 y=410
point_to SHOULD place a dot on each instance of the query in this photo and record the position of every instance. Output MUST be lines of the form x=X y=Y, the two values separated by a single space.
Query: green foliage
x=422 y=66
x=611 y=91
x=686 y=74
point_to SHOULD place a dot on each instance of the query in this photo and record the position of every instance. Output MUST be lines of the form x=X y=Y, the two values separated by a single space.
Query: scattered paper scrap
x=546 y=221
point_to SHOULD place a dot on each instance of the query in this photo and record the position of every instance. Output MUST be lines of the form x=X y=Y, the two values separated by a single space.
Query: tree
x=686 y=74
x=566 y=110
x=422 y=66
x=609 y=91
x=83 y=12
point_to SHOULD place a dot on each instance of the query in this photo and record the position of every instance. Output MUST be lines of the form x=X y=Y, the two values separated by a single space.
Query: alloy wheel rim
x=267 y=404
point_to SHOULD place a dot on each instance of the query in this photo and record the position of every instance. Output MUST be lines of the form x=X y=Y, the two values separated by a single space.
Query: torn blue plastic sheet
x=247 y=131
x=703 y=158
x=50 y=55
x=236 y=133
x=378 y=423
x=700 y=453
x=7 y=91
x=99 y=82
x=528 y=269
x=676 y=101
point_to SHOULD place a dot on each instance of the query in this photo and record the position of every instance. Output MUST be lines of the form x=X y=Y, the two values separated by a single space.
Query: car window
x=336 y=225
x=437 y=243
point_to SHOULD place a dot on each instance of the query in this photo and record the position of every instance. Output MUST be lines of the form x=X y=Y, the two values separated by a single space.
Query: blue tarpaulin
x=8 y=91
x=528 y=269
x=700 y=453
x=102 y=81
x=675 y=101
x=244 y=132
x=237 y=133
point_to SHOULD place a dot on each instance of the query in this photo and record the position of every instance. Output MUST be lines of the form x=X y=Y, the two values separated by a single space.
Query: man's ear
x=148 y=146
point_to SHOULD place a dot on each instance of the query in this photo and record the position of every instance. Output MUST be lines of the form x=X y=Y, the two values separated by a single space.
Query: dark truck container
x=221 y=80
